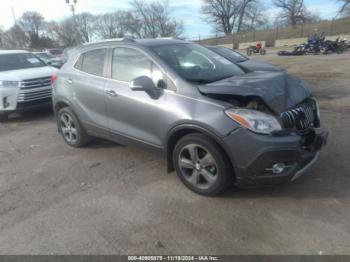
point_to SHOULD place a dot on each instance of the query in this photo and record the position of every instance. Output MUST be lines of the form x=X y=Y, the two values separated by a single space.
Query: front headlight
x=256 y=121
x=5 y=83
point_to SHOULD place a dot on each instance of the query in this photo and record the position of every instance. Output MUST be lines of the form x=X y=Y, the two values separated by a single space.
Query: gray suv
x=214 y=123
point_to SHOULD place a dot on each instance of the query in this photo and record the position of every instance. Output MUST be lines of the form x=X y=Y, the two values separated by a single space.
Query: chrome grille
x=301 y=117
x=34 y=95
x=35 y=89
x=36 y=83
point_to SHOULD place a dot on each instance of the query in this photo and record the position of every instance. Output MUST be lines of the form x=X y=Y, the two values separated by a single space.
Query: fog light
x=277 y=168
x=5 y=103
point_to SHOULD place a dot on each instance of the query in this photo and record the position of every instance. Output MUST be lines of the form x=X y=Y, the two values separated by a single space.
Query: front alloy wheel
x=202 y=165
x=198 y=166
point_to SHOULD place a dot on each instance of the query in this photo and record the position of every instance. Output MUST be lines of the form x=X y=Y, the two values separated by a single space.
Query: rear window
x=19 y=61
x=92 y=62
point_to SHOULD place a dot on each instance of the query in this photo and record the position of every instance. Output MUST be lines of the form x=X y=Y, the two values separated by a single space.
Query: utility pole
x=72 y=4
x=14 y=16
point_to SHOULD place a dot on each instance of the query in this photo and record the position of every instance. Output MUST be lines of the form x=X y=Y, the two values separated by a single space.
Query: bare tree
x=222 y=13
x=244 y=4
x=345 y=9
x=154 y=20
x=15 y=38
x=65 y=32
x=255 y=17
x=1 y=37
x=111 y=25
x=31 y=23
x=294 y=11
x=86 y=25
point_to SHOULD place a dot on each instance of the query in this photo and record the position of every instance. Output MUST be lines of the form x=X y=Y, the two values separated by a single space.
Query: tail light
x=53 y=79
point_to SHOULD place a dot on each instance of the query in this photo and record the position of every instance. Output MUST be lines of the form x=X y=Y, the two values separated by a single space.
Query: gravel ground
x=109 y=199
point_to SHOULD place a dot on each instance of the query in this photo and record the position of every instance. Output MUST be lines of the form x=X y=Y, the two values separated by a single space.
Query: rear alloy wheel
x=201 y=165
x=70 y=128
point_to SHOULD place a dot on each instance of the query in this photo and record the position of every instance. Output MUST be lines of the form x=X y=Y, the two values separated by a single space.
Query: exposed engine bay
x=279 y=94
x=300 y=117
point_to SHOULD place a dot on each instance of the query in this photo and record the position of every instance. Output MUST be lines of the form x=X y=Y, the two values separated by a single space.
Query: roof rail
x=124 y=39
x=170 y=37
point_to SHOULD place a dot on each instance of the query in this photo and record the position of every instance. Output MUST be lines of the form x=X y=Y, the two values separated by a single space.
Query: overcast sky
x=186 y=10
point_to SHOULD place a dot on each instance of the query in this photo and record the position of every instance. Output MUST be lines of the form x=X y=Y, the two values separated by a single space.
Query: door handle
x=111 y=93
x=70 y=81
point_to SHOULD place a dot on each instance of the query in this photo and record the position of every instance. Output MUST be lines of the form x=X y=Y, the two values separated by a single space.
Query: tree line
x=143 y=20
x=151 y=20
x=230 y=16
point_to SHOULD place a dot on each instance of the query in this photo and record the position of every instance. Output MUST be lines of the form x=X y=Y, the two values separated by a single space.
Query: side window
x=128 y=64
x=79 y=62
x=92 y=62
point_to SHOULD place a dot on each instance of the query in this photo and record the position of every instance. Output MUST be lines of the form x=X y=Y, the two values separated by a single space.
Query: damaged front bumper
x=268 y=160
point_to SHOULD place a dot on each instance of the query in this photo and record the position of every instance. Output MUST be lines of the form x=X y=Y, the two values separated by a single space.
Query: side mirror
x=142 y=83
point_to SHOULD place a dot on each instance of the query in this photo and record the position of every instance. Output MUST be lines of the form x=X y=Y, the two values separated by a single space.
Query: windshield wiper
x=199 y=81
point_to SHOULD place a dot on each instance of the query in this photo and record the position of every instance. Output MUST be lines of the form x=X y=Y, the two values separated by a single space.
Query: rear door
x=87 y=88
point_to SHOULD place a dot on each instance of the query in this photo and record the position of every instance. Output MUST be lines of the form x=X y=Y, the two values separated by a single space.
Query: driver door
x=134 y=115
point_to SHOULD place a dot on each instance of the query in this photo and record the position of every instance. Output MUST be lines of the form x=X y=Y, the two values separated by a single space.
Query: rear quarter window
x=92 y=62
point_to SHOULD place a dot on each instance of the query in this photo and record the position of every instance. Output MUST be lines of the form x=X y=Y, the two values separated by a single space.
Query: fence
x=270 y=36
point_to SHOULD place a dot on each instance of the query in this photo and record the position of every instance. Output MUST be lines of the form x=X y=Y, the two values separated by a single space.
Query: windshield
x=19 y=61
x=229 y=54
x=195 y=63
x=45 y=57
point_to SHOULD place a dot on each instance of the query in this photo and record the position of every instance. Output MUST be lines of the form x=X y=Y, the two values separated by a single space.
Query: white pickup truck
x=25 y=82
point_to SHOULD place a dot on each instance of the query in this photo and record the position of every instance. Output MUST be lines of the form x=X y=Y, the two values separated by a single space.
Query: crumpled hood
x=254 y=65
x=278 y=90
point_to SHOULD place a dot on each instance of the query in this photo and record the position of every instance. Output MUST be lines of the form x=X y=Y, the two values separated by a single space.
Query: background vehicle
x=256 y=50
x=317 y=44
x=214 y=123
x=243 y=61
x=54 y=52
x=297 y=51
x=25 y=82
x=49 y=59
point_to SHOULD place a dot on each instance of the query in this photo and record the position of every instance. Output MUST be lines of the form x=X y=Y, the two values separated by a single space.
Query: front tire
x=202 y=165
x=70 y=128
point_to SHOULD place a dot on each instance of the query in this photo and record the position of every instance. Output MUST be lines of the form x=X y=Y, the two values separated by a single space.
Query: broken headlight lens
x=4 y=83
x=256 y=121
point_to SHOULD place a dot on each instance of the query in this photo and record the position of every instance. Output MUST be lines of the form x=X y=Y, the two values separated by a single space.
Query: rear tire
x=202 y=165
x=3 y=118
x=70 y=128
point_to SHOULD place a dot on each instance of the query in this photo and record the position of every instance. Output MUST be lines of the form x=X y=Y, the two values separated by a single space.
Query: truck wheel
x=202 y=165
x=70 y=128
